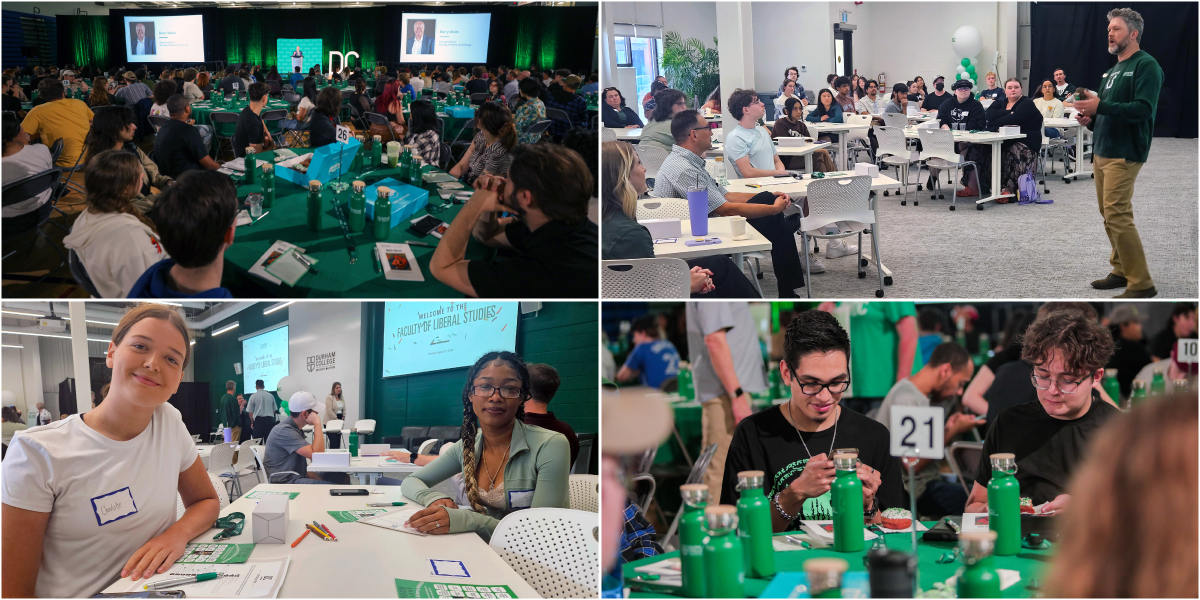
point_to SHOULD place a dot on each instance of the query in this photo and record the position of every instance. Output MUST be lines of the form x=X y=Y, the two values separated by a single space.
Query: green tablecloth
x=1030 y=563
x=337 y=277
x=201 y=110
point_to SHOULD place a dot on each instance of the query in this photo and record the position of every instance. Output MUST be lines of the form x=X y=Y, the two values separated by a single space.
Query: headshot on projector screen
x=420 y=36
x=141 y=38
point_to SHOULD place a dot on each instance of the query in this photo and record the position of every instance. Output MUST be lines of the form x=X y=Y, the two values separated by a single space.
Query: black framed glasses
x=812 y=388
x=1065 y=386
x=507 y=392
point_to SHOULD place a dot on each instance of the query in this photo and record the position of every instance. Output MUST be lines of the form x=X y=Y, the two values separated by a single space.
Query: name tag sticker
x=520 y=498
x=114 y=506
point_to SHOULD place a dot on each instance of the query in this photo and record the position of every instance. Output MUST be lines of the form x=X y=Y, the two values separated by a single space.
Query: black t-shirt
x=1010 y=353
x=556 y=261
x=178 y=147
x=962 y=116
x=321 y=130
x=1011 y=387
x=476 y=86
x=1160 y=346
x=1048 y=450
x=934 y=101
x=1128 y=358
x=767 y=442
x=11 y=103
x=993 y=93
x=249 y=130
x=226 y=84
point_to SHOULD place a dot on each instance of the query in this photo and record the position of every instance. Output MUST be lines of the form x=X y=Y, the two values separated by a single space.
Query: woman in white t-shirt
x=22 y=159
x=163 y=91
x=1050 y=107
x=93 y=497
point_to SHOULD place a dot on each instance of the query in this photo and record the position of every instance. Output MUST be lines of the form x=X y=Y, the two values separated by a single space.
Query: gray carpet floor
x=1033 y=251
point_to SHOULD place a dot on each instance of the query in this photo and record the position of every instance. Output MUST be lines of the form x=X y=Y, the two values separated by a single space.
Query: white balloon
x=967 y=41
x=288 y=385
x=960 y=68
x=973 y=63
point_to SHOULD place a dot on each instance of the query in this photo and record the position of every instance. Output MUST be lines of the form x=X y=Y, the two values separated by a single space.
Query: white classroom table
x=626 y=135
x=1080 y=133
x=368 y=465
x=717 y=227
x=367 y=560
x=805 y=150
x=985 y=137
x=843 y=131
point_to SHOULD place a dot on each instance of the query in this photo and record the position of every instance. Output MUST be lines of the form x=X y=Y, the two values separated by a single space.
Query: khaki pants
x=1114 y=191
x=716 y=421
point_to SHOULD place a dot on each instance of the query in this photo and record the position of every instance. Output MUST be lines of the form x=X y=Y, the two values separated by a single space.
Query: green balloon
x=966 y=62
x=971 y=72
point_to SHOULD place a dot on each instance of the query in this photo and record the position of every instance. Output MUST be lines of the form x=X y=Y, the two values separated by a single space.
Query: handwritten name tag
x=114 y=506
x=520 y=498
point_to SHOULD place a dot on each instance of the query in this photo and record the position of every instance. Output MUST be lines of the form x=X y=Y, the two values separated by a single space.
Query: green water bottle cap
x=720 y=519
x=750 y=480
x=1181 y=385
x=1004 y=461
x=824 y=574
x=845 y=461
x=1110 y=373
x=314 y=185
x=694 y=494
x=977 y=545
x=1157 y=372
x=359 y=185
x=1138 y=384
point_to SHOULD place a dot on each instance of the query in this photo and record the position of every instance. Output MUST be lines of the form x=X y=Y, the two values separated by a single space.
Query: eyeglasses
x=1065 y=386
x=486 y=391
x=812 y=388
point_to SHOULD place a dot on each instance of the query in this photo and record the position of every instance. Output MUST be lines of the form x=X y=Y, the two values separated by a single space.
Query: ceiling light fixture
x=275 y=307
x=229 y=327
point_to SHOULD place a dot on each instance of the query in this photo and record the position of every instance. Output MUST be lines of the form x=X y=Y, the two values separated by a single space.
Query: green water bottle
x=1158 y=384
x=847 y=504
x=414 y=171
x=358 y=207
x=1137 y=392
x=1182 y=386
x=268 y=185
x=1004 y=504
x=776 y=382
x=723 y=576
x=1111 y=386
x=354 y=443
x=381 y=224
x=251 y=166
x=977 y=578
x=825 y=576
x=691 y=538
x=754 y=526
x=376 y=152
x=405 y=159
x=315 y=214
x=356 y=163
x=686 y=389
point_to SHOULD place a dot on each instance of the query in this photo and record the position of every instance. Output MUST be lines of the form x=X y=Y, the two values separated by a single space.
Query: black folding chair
x=16 y=227
x=273 y=119
x=555 y=114
x=444 y=157
x=478 y=98
x=224 y=126
x=374 y=118
x=81 y=275
x=157 y=121
x=539 y=128
x=56 y=150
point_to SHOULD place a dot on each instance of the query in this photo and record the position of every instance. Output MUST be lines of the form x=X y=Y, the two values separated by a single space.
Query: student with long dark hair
x=301 y=119
x=489 y=151
x=112 y=129
x=506 y=465
x=322 y=129
x=422 y=132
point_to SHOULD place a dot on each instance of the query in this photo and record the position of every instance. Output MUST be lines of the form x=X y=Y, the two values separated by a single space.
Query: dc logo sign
x=344 y=58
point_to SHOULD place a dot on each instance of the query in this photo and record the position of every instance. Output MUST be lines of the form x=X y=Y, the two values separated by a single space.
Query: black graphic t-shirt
x=767 y=442
x=1047 y=449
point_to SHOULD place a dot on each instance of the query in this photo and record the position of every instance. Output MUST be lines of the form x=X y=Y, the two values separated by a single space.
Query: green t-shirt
x=1124 y=122
x=229 y=412
x=874 y=346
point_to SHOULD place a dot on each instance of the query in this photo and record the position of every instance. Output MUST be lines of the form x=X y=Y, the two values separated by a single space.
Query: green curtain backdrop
x=83 y=40
x=251 y=36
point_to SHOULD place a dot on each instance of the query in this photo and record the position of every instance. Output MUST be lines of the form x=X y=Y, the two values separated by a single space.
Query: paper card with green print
x=261 y=493
x=216 y=553
x=352 y=516
x=406 y=588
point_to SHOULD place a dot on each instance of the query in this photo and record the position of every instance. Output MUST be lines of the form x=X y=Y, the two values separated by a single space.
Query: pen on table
x=318 y=531
x=305 y=262
x=422 y=244
x=375 y=263
x=260 y=217
x=381 y=504
x=179 y=581
x=306 y=532
x=324 y=528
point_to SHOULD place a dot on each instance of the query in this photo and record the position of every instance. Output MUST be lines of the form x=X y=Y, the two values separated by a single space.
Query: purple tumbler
x=228 y=431
x=698 y=210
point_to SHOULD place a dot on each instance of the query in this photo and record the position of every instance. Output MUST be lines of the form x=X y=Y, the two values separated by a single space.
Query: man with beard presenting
x=792 y=443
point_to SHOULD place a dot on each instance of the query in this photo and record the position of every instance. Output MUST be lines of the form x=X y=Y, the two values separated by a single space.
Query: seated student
x=59 y=117
x=1049 y=106
x=113 y=129
x=652 y=361
x=196 y=222
x=22 y=159
x=843 y=96
x=505 y=464
x=625 y=238
x=326 y=117
x=69 y=486
x=422 y=132
x=232 y=84
x=816 y=369
x=1017 y=156
x=899 y=101
x=929 y=331
x=115 y=241
x=1181 y=326
x=11 y=97
x=287 y=451
x=788 y=91
x=934 y=101
x=295 y=77
x=684 y=168
x=565 y=99
x=495 y=91
x=302 y=117
x=360 y=101
x=11 y=424
x=1049 y=437
x=993 y=92
x=657 y=132
x=543 y=384
x=162 y=91
x=477 y=84
x=530 y=110
x=190 y=90
x=615 y=114
x=490 y=150
x=827 y=111
x=939 y=383
x=251 y=131
x=404 y=86
x=961 y=112
x=204 y=82
x=389 y=105
x=790 y=123
x=181 y=145
x=134 y=90
x=548 y=249
x=656 y=86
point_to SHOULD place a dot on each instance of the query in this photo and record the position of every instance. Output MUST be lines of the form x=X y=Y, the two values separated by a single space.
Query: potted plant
x=690 y=67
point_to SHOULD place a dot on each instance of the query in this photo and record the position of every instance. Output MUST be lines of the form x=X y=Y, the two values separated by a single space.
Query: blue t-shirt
x=755 y=143
x=295 y=78
x=655 y=361
x=153 y=284
x=925 y=346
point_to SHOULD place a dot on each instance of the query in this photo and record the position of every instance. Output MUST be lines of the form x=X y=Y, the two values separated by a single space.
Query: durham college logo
x=322 y=362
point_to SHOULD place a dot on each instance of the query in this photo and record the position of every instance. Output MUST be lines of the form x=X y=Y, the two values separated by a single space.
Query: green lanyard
x=230 y=525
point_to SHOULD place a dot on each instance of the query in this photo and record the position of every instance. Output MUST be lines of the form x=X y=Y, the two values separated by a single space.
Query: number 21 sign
x=918 y=431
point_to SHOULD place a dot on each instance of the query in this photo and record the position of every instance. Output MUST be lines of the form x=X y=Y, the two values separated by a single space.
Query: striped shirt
x=493 y=159
x=427 y=145
x=682 y=170
x=134 y=92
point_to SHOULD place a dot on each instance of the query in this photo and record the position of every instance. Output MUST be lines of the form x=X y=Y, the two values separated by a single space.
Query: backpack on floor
x=1027 y=190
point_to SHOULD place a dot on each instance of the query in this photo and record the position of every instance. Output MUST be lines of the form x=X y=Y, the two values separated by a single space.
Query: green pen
x=381 y=504
x=179 y=581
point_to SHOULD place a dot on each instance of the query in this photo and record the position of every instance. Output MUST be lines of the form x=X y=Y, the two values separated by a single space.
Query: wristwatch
x=412 y=458
x=870 y=514
x=738 y=393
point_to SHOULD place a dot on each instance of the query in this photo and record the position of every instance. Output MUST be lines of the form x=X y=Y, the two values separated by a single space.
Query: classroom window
x=623 y=53
x=645 y=59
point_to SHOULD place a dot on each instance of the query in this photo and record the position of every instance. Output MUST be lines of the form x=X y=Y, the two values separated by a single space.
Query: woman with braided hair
x=506 y=465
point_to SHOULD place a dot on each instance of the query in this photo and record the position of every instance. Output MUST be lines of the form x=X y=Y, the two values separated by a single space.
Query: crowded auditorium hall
x=899 y=150
x=989 y=449
x=315 y=449
x=205 y=149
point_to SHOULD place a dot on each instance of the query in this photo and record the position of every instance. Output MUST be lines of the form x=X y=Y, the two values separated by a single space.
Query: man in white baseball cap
x=287 y=451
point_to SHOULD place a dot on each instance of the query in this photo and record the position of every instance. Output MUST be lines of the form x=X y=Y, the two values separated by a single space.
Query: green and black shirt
x=1124 y=121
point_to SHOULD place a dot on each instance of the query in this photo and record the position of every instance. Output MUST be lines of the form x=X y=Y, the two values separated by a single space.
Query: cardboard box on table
x=460 y=112
x=406 y=199
x=270 y=519
x=324 y=166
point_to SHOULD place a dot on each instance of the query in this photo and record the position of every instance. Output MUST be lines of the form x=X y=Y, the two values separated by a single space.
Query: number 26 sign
x=918 y=431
